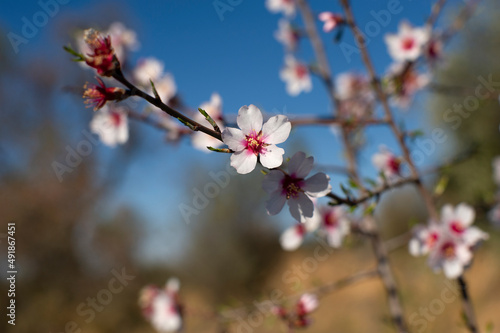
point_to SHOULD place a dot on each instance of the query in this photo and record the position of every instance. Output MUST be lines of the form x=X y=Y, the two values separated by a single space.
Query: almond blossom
x=201 y=140
x=102 y=55
x=123 y=39
x=98 y=95
x=296 y=76
x=335 y=225
x=293 y=237
x=449 y=244
x=287 y=35
x=148 y=69
x=306 y=304
x=404 y=84
x=287 y=7
x=111 y=124
x=330 y=20
x=161 y=306
x=294 y=188
x=387 y=163
x=256 y=141
x=407 y=44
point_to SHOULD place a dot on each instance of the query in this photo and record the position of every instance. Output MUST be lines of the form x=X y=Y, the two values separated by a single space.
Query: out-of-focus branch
x=467 y=306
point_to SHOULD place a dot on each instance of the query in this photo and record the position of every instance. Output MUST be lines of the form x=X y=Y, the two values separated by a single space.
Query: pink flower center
x=292 y=186
x=448 y=249
x=300 y=229
x=116 y=119
x=330 y=220
x=432 y=239
x=254 y=143
x=408 y=43
x=457 y=227
x=301 y=71
x=393 y=164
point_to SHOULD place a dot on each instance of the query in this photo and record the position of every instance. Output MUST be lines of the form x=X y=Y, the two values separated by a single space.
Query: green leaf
x=352 y=183
x=187 y=124
x=370 y=209
x=441 y=185
x=154 y=90
x=78 y=56
x=209 y=119
x=220 y=150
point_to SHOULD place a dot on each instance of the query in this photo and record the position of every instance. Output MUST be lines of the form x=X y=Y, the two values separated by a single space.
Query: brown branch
x=467 y=306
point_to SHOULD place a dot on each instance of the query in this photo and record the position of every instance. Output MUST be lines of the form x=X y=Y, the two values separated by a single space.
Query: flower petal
x=291 y=238
x=273 y=157
x=275 y=203
x=317 y=185
x=276 y=129
x=249 y=119
x=243 y=162
x=272 y=181
x=465 y=214
x=299 y=166
x=301 y=207
x=233 y=138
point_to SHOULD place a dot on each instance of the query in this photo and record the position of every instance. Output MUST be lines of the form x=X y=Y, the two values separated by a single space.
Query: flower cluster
x=355 y=94
x=331 y=222
x=161 y=307
x=388 y=164
x=299 y=316
x=448 y=244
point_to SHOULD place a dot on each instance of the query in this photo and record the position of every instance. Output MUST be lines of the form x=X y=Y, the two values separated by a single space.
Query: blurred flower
x=98 y=95
x=494 y=215
x=496 y=170
x=148 y=69
x=166 y=87
x=201 y=140
x=287 y=35
x=434 y=49
x=335 y=224
x=287 y=7
x=111 y=124
x=123 y=39
x=101 y=56
x=292 y=238
x=450 y=243
x=387 y=163
x=404 y=83
x=355 y=95
x=294 y=188
x=306 y=304
x=161 y=306
x=296 y=76
x=254 y=140
x=408 y=43
x=330 y=20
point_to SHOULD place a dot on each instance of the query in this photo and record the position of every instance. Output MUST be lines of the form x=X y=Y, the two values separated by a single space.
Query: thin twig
x=467 y=306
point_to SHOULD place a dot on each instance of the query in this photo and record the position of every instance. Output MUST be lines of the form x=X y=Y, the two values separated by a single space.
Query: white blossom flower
x=330 y=20
x=123 y=39
x=166 y=87
x=424 y=239
x=336 y=225
x=294 y=188
x=148 y=69
x=450 y=255
x=307 y=304
x=286 y=35
x=407 y=45
x=111 y=124
x=161 y=307
x=458 y=220
x=293 y=237
x=403 y=86
x=201 y=140
x=296 y=76
x=287 y=7
x=254 y=140
x=387 y=163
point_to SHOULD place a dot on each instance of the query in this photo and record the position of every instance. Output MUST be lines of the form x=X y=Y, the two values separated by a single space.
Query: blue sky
x=237 y=57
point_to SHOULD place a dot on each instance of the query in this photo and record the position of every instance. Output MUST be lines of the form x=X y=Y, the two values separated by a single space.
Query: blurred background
x=119 y=208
